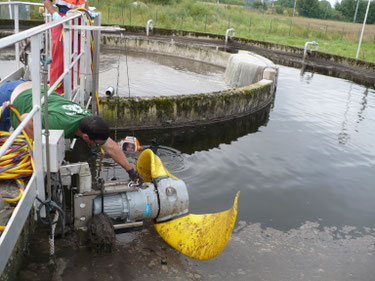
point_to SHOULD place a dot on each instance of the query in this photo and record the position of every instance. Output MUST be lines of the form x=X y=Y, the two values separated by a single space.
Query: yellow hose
x=17 y=162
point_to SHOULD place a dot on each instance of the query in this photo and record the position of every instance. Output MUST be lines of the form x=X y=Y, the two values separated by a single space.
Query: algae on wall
x=176 y=111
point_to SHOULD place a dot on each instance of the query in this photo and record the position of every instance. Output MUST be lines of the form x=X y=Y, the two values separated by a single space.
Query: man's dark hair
x=95 y=127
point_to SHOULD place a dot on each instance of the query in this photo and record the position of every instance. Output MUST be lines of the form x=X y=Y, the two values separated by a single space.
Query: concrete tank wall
x=255 y=91
x=171 y=48
x=185 y=110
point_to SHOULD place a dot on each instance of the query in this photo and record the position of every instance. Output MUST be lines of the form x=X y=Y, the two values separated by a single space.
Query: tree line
x=344 y=11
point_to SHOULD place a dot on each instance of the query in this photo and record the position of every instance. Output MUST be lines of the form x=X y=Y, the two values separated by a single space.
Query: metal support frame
x=75 y=53
x=95 y=74
x=363 y=29
x=16 y=30
x=9 y=237
x=36 y=184
x=82 y=77
x=67 y=60
x=38 y=149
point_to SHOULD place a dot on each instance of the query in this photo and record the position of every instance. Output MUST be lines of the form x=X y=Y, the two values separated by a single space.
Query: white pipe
x=306 y=48
x=16 y=30
x=356 y=10
x=227 y=34
x=150 y=25
x=10 y=11
x=363 y=29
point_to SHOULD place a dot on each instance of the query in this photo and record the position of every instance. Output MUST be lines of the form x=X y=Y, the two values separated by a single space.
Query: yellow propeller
x=200 y=237
x=150 y=166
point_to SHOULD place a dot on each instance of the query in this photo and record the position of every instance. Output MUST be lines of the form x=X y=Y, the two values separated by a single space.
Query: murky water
x=312 y=160
x=144 y=74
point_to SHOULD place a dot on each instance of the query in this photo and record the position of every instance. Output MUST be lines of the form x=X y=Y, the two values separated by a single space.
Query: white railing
x=16 y=5
x=36 y=185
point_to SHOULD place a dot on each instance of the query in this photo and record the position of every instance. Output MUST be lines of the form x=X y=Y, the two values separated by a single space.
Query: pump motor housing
x=168 y=200
x=161 y=199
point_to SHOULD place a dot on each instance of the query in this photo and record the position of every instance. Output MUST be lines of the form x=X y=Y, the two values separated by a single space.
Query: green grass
x=334 y=37
x=197 y=16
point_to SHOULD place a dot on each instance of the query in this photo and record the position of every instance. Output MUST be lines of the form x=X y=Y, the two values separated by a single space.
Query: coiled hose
x=17 y=162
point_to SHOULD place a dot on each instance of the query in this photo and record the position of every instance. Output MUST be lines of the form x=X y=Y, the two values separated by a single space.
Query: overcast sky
x=333 y=2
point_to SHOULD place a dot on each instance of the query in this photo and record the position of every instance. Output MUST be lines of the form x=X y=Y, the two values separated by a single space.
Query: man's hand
x=56 y=16
x=134 y=176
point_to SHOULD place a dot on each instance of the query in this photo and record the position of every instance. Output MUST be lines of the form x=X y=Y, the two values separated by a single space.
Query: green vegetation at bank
x=335 y=37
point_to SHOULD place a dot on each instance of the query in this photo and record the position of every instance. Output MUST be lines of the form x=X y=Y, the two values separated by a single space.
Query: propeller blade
x=150 y=166
x=201 y=237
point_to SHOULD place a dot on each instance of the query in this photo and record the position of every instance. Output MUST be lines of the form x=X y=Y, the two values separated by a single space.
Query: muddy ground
x=253 y=253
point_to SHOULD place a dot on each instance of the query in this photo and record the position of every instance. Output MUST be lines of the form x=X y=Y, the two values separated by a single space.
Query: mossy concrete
x=185 y=110
x=182 y=110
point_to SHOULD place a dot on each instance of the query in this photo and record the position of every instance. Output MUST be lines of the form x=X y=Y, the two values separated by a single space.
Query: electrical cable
x=17 y=162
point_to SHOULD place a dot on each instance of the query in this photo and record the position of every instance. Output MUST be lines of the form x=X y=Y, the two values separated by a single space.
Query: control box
x=56 y=149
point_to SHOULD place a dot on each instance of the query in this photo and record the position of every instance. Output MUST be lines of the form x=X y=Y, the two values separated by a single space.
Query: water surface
x=311 y=160
x=146 y=74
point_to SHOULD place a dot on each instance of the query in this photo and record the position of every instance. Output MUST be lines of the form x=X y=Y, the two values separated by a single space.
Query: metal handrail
x=66 y=71
x=20 y=3
x=18 y=131
x=35 y=186
x=12 y=39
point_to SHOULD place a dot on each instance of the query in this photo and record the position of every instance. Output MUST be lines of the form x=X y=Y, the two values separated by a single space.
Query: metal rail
x=12 y=39
x=9 y=237
x=20 y=3
x=36 y=184
x=18 y=131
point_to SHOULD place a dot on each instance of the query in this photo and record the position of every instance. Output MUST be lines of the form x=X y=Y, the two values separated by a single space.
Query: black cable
x=49 y=207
